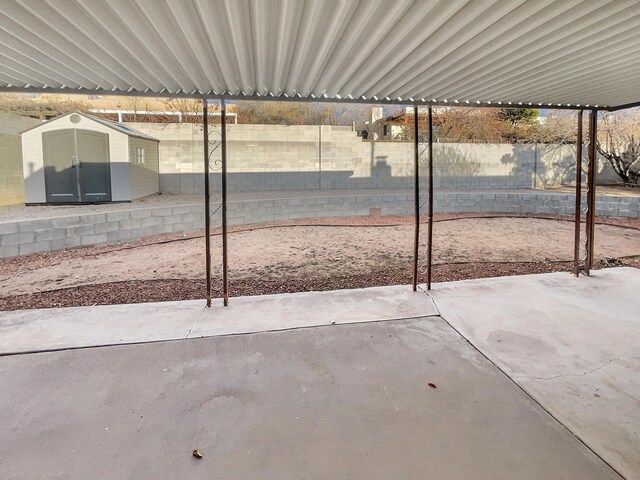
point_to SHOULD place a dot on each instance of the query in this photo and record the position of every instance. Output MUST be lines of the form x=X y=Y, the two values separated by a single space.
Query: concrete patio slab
x=282 y=312
x=76 y=327
x=572 y=343
x=341 y=401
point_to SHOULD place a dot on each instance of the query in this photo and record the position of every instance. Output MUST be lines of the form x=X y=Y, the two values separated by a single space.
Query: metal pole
x=430 y=224
x=591 y=192
x=535 y=166
x=319 y=157
x=225 y=263
x=576 y=243
x=207 y=219
x=416 y=198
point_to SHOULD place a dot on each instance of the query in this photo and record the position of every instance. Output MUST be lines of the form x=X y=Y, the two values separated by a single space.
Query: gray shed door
x=59 y=166
x=76 y=166
x=93 y=163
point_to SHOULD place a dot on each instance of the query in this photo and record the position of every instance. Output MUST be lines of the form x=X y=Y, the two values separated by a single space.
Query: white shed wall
x=145 y=178
x=33 y=158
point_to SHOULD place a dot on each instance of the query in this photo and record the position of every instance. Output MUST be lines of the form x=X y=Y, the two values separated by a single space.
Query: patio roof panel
x=560 y=52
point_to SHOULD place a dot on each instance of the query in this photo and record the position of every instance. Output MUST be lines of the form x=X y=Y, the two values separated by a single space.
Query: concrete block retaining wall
x=41 y=235
x=257 y=211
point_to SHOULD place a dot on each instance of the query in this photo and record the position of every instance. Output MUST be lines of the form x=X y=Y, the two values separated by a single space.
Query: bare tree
x=299 y=113
x=619 y=143
x=560 y=128
x=271 y=113
x=466 y=124
x=186 y=110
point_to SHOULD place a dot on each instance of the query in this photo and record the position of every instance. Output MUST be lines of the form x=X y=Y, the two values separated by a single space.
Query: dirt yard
x=276 y=258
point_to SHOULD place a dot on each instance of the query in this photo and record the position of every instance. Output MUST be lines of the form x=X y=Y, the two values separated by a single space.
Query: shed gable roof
x=119 y=127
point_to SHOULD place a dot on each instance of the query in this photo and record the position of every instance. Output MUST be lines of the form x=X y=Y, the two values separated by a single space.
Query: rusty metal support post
x=207 y=194
x=591 y=190
x=578 y=214
x=430 y=224
x=416 y=197
x=225 y=258
x=319 y=157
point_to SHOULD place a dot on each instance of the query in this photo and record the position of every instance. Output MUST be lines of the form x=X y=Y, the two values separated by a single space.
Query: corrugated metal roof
x=550 y=52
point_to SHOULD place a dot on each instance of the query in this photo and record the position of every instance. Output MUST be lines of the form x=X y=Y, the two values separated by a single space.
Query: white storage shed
x=79 y=158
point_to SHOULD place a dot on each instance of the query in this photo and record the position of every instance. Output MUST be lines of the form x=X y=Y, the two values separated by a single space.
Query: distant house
x=395 y=127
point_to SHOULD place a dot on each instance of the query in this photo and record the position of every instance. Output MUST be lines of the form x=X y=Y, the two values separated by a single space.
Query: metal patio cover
x=560 y=53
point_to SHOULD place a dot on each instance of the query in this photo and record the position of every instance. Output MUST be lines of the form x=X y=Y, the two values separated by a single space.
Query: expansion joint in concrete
x=533 y=399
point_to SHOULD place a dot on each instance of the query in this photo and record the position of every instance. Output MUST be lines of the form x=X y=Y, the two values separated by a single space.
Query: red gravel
x=138 y=291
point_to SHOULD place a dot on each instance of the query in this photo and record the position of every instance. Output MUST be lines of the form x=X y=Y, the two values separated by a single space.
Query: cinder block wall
x=11 y=177
x=307 y=157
